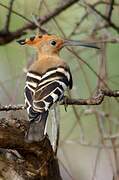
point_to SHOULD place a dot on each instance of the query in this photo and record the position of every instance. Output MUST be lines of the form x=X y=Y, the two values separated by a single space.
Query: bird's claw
x=65 y=103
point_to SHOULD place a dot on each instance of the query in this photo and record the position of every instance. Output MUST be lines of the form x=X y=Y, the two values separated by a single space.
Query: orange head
x=44 y=43
x=52 y=44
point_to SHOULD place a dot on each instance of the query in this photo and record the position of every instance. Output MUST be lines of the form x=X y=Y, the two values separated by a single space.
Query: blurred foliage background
x=84 y=152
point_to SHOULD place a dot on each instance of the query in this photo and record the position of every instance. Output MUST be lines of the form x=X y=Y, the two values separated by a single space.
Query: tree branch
x=95 y=100
x=111 y=9
x=104 y=17
x=16 y=13
x=8 y=37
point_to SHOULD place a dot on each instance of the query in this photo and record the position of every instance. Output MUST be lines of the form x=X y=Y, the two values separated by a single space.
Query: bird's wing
x=45 y=97
x=32 y=81
x=51 y=88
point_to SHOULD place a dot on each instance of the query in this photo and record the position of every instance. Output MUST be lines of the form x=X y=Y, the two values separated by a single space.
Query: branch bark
x=8 y=17
x=95 y=100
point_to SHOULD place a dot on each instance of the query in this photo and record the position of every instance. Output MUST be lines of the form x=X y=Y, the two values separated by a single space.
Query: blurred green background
x=80 y=130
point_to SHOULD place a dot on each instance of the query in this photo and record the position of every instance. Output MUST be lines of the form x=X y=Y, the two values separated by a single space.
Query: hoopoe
x=47 y=79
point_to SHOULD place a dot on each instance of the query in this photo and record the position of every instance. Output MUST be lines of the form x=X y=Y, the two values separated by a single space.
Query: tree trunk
x=20 y=160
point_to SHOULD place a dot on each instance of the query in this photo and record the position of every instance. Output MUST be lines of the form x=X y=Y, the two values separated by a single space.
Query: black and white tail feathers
x=41 y=92
x=37 y=128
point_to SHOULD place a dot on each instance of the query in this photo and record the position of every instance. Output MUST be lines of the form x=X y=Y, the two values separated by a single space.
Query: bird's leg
x=65 y=102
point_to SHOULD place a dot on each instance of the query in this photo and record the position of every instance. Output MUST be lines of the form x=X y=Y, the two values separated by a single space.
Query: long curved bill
x=79 y=43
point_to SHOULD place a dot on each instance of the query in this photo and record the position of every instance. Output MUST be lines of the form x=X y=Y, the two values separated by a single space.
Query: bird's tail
x=37 y=128
x=55 y=117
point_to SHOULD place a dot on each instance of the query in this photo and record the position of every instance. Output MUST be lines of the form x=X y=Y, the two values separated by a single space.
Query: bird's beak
x=22 y=41
x=79 y=43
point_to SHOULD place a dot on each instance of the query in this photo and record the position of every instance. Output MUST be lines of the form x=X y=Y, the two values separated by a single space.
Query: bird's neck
x=47 y=55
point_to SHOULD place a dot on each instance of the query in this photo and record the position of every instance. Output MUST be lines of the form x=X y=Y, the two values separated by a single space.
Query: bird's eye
x=52 y=43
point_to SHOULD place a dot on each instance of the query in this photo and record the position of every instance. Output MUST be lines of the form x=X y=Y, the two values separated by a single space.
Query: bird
x=47 y=79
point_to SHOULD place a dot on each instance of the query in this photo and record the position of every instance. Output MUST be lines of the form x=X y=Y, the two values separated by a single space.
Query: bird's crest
x=30 y=41
x=52 y=43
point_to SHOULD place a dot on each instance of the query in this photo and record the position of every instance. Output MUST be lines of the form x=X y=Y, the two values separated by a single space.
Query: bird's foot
x=65 y=102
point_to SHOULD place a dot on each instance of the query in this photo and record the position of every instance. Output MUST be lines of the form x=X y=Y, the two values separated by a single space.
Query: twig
x=106 y=3
x=8 y=17
x=88 y=65
x=16 y=13
x=95 y=100
x=104 y=17
x=78 y=24
x=106 y=40
x=110 y=10
x=31 y=26
x=42 y=30
x=96 y=163
x=12 y=107
x=91 y=144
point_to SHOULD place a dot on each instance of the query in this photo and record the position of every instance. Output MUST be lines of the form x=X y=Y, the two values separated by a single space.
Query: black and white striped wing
x=41 y=92
x=32 y=81
x=51 y=88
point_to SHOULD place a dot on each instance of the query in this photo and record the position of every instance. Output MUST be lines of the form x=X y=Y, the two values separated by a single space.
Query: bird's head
x=52 y=44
